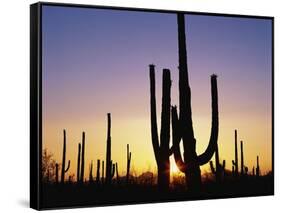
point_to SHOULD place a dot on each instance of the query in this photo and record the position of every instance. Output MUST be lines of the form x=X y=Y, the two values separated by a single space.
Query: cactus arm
x=212 y=167
x=207 y=155
x=176 y=140
x=68 y=165
x=153 y=116
x=165 y=113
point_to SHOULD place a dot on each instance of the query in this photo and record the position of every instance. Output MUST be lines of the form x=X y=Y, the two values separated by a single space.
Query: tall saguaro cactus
x=182 y=125
x=235 y=161
x=162 y=150
x=102 y=172
x=98 y=171
x=258 y=167
x=242 y=158
x=78 y=162
x=116 y=169
x=82 y=159
x=129 y=156
x=63 y=169
x=110 y=168
x=91 y=178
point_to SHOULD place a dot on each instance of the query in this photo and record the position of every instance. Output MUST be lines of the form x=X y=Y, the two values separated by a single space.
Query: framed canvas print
x=138 y=106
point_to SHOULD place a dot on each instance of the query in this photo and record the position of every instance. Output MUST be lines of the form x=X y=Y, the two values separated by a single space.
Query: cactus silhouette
x=162 y=150
x=116 y=169
x=129 y=157
x=235 y=161
x=242 y=158
x=91 y=179
x=102 y=172
x=219 y=171
x=246 y=170
x=63 y=169
x=253 y=171
x=78 y=162
x=182 y=124
x=258 y=167
x=82 y=158
x=110 y=167
x=98 y=172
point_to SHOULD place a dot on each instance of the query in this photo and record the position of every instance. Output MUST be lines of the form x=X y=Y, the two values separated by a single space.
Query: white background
x=14 y=105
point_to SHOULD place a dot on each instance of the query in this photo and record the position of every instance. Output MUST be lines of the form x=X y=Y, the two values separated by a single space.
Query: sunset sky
x=96 y=61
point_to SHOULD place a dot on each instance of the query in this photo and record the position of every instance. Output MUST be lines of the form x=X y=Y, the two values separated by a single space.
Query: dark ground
x=74 y=195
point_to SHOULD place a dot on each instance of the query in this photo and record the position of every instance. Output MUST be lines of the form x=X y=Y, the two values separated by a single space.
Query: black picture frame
x=36 y=97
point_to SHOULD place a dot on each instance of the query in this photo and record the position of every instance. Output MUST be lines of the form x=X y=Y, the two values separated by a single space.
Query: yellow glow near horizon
x=136 y=132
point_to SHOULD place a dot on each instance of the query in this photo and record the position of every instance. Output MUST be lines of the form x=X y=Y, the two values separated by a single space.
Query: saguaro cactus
x=182 y=125
x=91 y=179
x=219 y=171
x=129 y=157
x=242 y=158
x=102 y=172
x=63 y=169
x=258 y=167
x=162 y=151
x=82 y=159
x=78 y=162
x=235 y=162
x=110 y=168
x=116 y=169
x=98 y=171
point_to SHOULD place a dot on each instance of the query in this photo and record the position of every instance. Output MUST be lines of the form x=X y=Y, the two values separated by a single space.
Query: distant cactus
x=242 y=158
x=116 y=169
x=63 y=169
x=129 y=156
x=110 y=167
x=253 y=171
x=258 y=167
x=82 y=158
x=102 y=172
x=98 y=172
x=235 y=162
x=162 y=150
x=219 y=171
x=91 y=179
x=78 y=162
